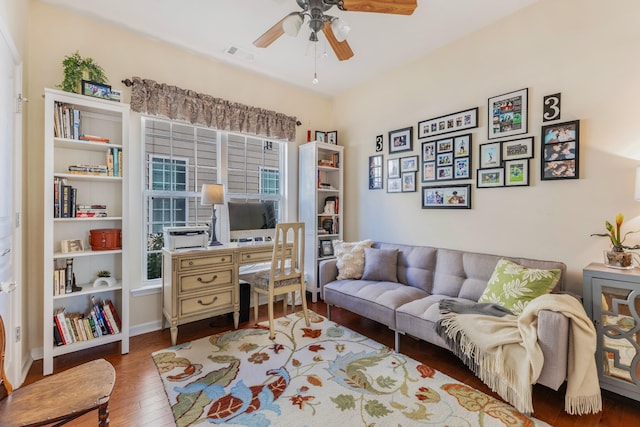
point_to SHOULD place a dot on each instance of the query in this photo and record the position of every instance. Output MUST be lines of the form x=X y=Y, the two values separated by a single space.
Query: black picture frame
x=97 y=90
x=516 y=173
x=447 y=159
x=326 y=247
x=321 y=136
x=514 y=149
x=376 y=172
x=332 y=137
x=560 y=151
x=446 y=197
x=454 y=122
x=507 y=114
x=401 y=140
x=408 y=182
x=490 y=178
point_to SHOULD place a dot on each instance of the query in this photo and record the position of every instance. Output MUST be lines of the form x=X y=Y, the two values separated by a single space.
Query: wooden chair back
x=287 y=261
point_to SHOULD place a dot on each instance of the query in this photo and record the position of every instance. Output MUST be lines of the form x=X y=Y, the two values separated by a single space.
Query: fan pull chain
x=315 y=63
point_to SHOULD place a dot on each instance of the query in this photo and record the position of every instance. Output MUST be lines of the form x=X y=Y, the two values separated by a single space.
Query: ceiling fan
x=334 y=29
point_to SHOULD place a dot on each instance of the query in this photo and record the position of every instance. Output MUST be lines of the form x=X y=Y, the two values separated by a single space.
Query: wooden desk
x=202 y=283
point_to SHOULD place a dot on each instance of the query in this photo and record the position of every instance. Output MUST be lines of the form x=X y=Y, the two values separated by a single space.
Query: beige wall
x=55 y=33
x=585 y=49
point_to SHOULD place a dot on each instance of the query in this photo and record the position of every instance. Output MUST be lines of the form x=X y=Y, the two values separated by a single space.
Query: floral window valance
x=150 y=97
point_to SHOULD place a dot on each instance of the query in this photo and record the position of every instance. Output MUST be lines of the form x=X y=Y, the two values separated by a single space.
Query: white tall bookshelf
x=108 y=119
x=320 y=177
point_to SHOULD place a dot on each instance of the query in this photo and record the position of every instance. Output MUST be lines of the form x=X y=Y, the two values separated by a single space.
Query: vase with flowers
x=618 y=257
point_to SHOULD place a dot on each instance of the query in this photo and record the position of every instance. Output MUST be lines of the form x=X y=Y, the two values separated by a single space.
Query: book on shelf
x=112 y=307
x=93 y=138
x=57 y=338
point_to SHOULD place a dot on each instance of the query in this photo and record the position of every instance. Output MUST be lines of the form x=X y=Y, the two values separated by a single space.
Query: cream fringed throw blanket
x=505 y=354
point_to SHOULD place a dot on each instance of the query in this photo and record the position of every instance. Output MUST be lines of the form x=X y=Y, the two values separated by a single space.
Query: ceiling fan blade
x=395 y=7
x=271 y=35
x=342 y=49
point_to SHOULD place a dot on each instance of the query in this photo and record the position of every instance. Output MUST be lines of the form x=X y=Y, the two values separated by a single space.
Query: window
x=179 y=158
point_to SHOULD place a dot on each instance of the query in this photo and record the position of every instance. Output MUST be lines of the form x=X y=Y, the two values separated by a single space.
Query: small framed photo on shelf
x=375 y=172
x=447 y=196
x=517 y=149
x=490 y=155
x=326 y=248
x=332 y=137
x=507 y=114
x=560 y=149
x=401 y=140
x=96 y=90
x=75 y=245
x=321 y=136
x=488 y=178
x=516 y=172
x=393 y=168
x=409 y=164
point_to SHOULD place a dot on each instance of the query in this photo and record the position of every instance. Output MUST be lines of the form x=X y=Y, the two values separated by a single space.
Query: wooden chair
x=58 y=398
x=286 y=275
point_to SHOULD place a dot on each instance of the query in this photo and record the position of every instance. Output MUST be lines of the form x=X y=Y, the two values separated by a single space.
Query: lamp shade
x=637 y=193
x=340 y=29
x=212 y=194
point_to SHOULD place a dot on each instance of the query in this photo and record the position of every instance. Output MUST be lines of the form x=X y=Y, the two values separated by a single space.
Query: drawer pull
x=213 y=279
x=207 y=303
x=223 y=259
x=190 y=262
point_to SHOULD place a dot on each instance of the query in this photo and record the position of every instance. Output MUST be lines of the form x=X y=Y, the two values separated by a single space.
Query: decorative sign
x=551 y=109
x=379 y=143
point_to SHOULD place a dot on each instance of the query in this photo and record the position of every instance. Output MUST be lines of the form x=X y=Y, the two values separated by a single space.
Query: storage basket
x=105 y=239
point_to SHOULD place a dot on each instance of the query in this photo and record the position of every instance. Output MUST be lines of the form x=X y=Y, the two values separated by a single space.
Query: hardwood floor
x=138 y=398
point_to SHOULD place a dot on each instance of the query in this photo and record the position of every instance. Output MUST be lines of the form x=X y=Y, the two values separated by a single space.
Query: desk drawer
x=258 y=256
x=208 y=302
x=205 y=280
x=217 y=260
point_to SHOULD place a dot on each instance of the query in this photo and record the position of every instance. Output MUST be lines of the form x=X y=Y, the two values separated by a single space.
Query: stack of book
x=102 y=319
x=114 y=161
x=64 y=198
x=66 y=121
x=98 y=170
x=91 y=211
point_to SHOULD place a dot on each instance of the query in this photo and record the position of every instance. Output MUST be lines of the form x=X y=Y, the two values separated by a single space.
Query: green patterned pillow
x=512 y=286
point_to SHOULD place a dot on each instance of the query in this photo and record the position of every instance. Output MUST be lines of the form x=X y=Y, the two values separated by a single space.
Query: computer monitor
x=252 y=220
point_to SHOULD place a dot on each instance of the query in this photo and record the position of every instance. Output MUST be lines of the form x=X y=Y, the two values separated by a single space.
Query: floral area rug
x=322 y=375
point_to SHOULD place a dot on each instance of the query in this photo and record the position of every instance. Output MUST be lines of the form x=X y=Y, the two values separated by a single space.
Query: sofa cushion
x=350 y=257
x=512 y=286
x=380 y=264
x=416 y=264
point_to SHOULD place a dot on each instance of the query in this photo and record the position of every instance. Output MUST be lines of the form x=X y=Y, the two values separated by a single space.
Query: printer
x=186 y=237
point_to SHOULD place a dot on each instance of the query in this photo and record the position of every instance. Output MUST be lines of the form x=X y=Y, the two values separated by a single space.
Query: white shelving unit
x=320 y=177
x=108 y=119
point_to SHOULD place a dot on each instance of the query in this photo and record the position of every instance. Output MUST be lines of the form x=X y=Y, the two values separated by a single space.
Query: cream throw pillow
x=512 y=286
x=350 y=258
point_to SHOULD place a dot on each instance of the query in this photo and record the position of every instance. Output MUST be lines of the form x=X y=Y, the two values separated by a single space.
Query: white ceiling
x=380 y=42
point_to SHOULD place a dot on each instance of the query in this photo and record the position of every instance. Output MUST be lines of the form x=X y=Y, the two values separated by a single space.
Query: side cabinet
x=612 y=301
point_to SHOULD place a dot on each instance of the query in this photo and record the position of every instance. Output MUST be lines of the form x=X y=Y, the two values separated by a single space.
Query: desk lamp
x=212 y=194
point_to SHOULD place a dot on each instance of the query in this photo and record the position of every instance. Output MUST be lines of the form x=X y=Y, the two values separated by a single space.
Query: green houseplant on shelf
x=617 y=256
x=76 y=68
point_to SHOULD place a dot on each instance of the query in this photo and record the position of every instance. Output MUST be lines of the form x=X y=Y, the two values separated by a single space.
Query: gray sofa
x=427 y=275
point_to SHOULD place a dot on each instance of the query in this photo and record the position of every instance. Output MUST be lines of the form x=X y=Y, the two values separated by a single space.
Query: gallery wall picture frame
x=376 y=170
x=490 y=155
x=321 y=136
x=507 y=114
x=409 y=164
x=394 y=185
x=560 y=151
x=393 y=168
x=490 y=178
x=428 y=171
x=332 y=137
x=465 y=119
x=408 y=182
x=514 y=149
x=516 y=173
x=401 y=140
x=447 y=159
x=446 y=197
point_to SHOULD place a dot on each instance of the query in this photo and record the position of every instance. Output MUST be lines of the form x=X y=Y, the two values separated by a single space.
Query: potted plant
x=76 y=68
x=104 y=279
x=617 y=256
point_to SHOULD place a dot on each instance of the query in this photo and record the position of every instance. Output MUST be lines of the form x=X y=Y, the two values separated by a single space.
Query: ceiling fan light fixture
x=340 y=29
x=292 y=23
